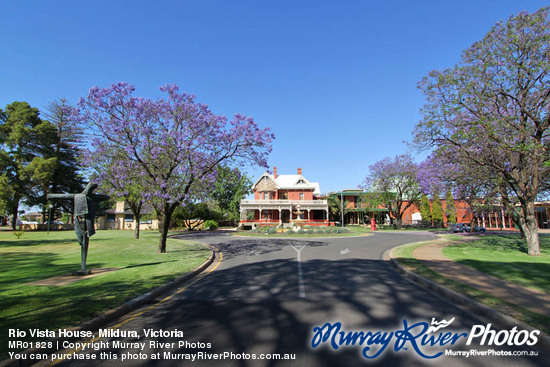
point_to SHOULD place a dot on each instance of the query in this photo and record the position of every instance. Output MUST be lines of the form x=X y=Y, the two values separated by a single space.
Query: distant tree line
x=37 y=156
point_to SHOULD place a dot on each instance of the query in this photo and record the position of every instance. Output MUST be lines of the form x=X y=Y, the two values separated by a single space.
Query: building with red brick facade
x=491 y=218
x=281 y=199
x=357 y=212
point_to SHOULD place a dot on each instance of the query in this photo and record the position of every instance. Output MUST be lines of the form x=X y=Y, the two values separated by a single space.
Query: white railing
x=284 y=202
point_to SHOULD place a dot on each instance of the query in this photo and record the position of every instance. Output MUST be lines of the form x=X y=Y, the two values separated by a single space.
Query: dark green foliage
x=64 y=147
x=335 y=207
x=230 y=188
x=36 y=157
x=6 y=193
x=450 y=208
x=425 y=209
x=210 y=224
x=437 y=210
x=192 y=215
x=21 y=138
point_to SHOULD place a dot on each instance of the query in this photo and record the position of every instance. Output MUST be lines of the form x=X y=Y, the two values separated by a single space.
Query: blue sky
x=335 y=80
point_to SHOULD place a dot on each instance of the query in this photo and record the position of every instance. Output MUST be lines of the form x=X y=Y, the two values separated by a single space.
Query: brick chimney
x=300 y=171
x=274 y=172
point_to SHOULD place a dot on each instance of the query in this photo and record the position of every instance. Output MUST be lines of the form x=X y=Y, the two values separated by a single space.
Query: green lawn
x=505 y=257
x=488 y=249
x=37 y=255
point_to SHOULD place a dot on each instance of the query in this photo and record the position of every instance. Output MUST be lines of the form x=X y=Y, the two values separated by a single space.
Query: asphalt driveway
x=268 y=295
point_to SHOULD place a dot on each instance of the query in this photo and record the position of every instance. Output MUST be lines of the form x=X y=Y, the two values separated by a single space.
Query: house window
x=301 y=196
x=110 y=218
x=146 y=219
x=129 y=218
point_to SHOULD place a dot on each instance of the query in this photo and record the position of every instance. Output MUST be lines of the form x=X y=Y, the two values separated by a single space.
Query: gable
x=302 y=182
x=297 y=182
x=265 y=183
x=285 y=182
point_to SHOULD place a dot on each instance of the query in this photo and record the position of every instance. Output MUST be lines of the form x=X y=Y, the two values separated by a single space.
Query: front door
x=285 y=216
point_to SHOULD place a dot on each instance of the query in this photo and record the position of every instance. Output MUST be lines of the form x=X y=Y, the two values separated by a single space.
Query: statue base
x=80 y=273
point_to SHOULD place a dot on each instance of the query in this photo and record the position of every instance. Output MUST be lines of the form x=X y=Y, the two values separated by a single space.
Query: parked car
x=462 y=227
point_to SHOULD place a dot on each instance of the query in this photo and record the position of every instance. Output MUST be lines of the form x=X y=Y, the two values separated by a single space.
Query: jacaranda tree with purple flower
x=392 y=182
x=122 y=179
x=175 y=144
x=493 y=110
x=468 y=182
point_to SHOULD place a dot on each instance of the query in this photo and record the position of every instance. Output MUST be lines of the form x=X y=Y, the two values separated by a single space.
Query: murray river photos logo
x=423 y=338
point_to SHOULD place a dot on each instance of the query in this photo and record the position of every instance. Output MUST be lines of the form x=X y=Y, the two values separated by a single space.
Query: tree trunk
x=135 y=206
x=517 y=218
x=531 y=230
x=14 y=222
x=137 y=218
x=398 y=220
x=164 y=225
x=15 y=209
x=521 y=225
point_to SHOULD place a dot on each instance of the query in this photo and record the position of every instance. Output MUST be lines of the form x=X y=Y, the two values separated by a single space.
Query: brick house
x=280 y=199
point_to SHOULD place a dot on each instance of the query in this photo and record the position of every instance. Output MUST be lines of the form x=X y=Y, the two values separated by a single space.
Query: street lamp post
x=342 y=207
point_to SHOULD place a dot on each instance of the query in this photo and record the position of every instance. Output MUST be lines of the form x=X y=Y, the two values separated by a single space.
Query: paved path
x=531 y=299
x=267 y=296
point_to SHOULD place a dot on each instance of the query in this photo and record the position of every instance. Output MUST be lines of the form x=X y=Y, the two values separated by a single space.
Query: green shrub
x=18 y=234
x=210 y=224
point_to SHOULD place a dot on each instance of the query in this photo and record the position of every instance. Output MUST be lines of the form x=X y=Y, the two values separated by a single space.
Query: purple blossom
x=167 y=150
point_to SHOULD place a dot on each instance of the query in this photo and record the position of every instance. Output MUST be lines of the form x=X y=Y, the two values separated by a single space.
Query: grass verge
x=403 y=254
x=37 y=256
x=505 y=257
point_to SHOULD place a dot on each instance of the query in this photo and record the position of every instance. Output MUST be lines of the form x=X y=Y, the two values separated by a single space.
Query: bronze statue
x=85 y=206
